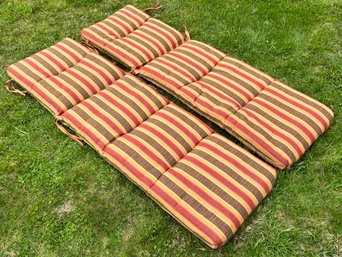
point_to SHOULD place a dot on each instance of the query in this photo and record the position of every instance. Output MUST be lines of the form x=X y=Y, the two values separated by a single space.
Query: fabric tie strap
x=10 y=88
x=186 y=32
x=88 y=45
x=156 y=7
x=60 y=126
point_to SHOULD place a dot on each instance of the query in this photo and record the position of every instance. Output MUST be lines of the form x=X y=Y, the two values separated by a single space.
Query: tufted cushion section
x=133 y=37
x=202 y=179
x=114 y=111
x=63 y=75
x=273 y=119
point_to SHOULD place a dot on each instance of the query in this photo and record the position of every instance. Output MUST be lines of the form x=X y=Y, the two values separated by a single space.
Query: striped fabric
x=63 y=75
x=202 y=179
x=133 y=37
x=273 y=119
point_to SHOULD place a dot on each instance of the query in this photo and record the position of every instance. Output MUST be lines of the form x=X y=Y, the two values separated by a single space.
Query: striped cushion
x=275 y=120
x=63 y=75
x=133 y=37
x=205 y=181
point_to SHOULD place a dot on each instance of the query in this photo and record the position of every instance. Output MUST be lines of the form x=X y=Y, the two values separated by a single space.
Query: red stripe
x=274 y=131
x=299 y=105
x=99 y=112
x=140 y=34
x=187 y=92
x=125 y=111
x=143 y=146
x=124 y=161
x=83 y=80
x=132 y=16
x=240 y=167
x=54 y=60
x=129 y=42
x=189 y=62
x=99 y=71
x=228 y=84
x=259 y=84
x=211 y=108
x=146 y=71
x=252 y=137
x=175 y=68
x=117 y=20
x=163 y=138
x=156 y=29
x=171 y=120
x=215 y=91
x=99 y=24
x=124 y=57
x=92 y=38
x=137 y=96
x=206 y=197
x=287 y=118
x=64 y=88
x=35 y=67
x=80 y=125
x=201 y=52
x=226 y=182
x=175 y=208
x=43 y=97
x=75 y=57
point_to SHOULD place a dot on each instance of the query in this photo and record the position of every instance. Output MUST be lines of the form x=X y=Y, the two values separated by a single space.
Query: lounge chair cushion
x=133 y=37
x=275 y=120
x=202 y=179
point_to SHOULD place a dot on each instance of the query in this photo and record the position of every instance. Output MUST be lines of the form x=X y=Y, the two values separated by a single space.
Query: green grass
x=59 y=199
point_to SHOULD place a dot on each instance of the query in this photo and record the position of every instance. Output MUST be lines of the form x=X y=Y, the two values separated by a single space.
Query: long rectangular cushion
x=206 y=182
x=270 y=117
x=276 y=121
x=133 y=37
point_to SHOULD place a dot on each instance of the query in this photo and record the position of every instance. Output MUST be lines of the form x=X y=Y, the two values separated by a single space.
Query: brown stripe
x=137 y=12
x=305 y=99
x=58 y=95
x=269 y=137
x=243 y=157
x=74 y=84
x=247 y=69
x=45 y=64
x=111 y=69
x=301 y=115
x=135 y=38
x=209 y=49
x=77 y=47
x=213 y=187
x=278 y=125
x=188 y=120
x=166 y=70
x=231 y=173
x=138 y=158
x=225 y=90
x=61 y=56
x=154 y=143
x=241 y=83
x=114 y=114
x=177 y=35
x=142 y=88
x=87 y=119
x=197 y=206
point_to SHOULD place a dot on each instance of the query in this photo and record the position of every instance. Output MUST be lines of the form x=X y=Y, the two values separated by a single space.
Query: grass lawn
x=60 y=199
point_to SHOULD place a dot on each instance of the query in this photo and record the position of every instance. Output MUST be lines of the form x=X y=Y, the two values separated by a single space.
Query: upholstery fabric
x=64 y=75
x=206 y=182
x=133 y=37
x=273 y=119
